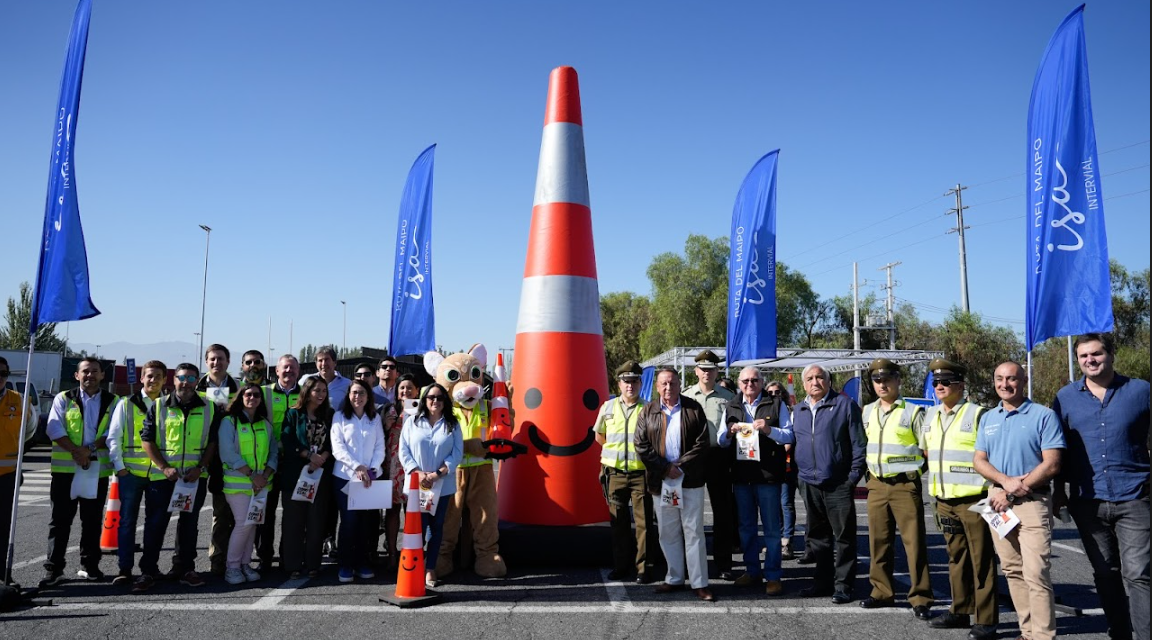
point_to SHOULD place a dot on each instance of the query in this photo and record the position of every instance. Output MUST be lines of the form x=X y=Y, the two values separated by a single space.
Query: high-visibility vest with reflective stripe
x=62 y=461
x=278 y=404
x=951 y=473
x=477 y=427
x=618 y=451
x=184 y=438
x=10 y=404
x=893 y=445
x=136 y=460
x=252 y=439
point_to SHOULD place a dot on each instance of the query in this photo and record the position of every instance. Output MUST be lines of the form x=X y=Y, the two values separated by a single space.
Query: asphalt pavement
x=554 y=602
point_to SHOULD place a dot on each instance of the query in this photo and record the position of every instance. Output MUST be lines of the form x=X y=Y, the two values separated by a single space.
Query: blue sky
x=289 y=128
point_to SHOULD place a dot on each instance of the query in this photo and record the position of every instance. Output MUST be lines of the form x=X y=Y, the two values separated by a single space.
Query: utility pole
x=959 y=229
x=891 y=303
x=856 y=311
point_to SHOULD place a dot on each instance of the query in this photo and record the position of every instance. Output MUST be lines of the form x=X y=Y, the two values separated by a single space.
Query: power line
x=868 y=226
x=980 y=204
x=1019 y=175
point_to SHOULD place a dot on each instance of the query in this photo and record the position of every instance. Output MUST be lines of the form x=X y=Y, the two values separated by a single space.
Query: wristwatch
x=1011 y=497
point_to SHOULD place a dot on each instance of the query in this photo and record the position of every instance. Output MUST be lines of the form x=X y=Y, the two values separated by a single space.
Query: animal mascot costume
x=462 y=374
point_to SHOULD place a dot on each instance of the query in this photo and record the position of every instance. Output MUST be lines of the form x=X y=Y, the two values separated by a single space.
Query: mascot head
x=462 y=374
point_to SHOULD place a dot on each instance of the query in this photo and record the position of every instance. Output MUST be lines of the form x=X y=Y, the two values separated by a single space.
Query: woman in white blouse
x=358 y=446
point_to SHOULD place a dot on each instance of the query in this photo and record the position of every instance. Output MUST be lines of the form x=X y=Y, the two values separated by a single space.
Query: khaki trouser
x=630 y=551
x=1026 y=558
x=476 y=492
x=899 y=504
x=971 y=561
x=222 y=524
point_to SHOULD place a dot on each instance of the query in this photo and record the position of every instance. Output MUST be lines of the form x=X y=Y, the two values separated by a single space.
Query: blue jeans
x=1116 y=540
x=132 y=490
x=434 y=532
x=788 y=507
x=761 y=500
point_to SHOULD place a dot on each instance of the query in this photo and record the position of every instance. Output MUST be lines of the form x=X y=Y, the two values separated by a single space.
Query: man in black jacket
x=672 y=439
x=760 y=425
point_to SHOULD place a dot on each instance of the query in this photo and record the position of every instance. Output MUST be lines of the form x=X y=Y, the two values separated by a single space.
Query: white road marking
x=1066 y=547
x=276 y=595
x=617 y=594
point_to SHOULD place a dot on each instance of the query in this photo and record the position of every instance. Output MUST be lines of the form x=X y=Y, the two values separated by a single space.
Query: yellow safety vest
x=136 y=460
x=951 y=473
x=253 y=442
x=618 y=451
x=477 y=427
x=278 y=404
x=62 y=461
x=184 y=438
x=893 y=445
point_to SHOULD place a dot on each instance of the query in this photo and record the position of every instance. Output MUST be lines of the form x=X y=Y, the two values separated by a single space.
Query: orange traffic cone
x=410 y=589
x=555 y=483
x=108 y=537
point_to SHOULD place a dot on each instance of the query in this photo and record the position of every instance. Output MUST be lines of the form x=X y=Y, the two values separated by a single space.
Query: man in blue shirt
x=1105 y=420
x=1018 y=449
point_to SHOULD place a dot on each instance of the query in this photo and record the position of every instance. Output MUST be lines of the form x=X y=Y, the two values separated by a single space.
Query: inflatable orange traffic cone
x=410 y=588
x=108 y=536
x=560 y=376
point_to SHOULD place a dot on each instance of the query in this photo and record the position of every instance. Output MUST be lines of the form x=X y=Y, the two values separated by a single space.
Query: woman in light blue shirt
x=432 y=444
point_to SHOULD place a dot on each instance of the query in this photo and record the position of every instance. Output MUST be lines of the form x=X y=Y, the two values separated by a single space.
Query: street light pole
x=345 y=305
x=204 y=295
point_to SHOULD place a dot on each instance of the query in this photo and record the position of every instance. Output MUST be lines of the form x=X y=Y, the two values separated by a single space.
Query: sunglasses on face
x=946 y=383
x=252 y=362
x=362 y=374
x=385 y=367
x=5 y=374
x=434 y=398
x=186 y=378
x=883 y=379
x=750 y=381
x=776 y=394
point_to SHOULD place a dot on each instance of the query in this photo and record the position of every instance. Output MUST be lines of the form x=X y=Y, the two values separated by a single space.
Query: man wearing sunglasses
x=948 y=439
x=718 y=465
x=895 y=494
x=387 y=372
x=179 y=435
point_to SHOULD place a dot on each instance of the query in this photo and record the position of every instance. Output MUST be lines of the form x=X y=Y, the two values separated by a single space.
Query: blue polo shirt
x=1107 y=457
x=1014 y=440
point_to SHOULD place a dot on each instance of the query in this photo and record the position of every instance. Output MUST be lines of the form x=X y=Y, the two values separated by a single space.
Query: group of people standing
x=1018 y=462
x=245 y=442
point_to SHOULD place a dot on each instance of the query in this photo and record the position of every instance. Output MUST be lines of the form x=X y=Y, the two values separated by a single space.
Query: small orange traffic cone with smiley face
x=410 y=588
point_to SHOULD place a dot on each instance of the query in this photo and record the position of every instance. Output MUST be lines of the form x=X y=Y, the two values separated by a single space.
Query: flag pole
x=10 y=558
x=1071 y=359
x=1029 y=374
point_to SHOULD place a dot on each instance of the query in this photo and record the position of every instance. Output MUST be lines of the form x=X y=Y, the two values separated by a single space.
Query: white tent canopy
x=794 y=360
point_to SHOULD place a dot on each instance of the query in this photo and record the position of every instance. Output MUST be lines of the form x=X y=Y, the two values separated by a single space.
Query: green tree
x=14 y=335
x=624 y=315
x=689 y=297
x=966 y=338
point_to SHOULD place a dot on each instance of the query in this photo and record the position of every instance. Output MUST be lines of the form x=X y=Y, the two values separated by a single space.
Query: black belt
x=899 y=478
x=621 y=472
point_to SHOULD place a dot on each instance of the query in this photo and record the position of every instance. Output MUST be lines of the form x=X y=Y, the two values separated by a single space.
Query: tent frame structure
x=794 y=360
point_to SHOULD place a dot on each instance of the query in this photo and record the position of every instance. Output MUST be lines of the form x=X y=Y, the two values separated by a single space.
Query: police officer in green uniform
x=622 y=478
x=718 y=466
x=895 y=494
x=948 y=438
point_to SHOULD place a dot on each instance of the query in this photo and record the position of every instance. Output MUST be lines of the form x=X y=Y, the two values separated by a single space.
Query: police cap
x=883 y=368
x=630 y=370
x=707 y=360
x=947 y=370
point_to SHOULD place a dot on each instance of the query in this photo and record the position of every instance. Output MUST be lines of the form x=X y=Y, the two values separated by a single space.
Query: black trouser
x=305 y=523
x=831 y=533
x=60 y=526
x=718 y=479
x=266 y=533
x=7 y=487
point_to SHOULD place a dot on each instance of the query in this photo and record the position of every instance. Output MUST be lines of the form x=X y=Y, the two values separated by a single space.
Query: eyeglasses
x=435 y=398
x=750 y=381
x=946 y=383
x=186 y=378
x=387 y=366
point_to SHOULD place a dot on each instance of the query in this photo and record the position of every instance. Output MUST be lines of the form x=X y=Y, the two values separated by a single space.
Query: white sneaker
x=234 y=576
x=250 y=574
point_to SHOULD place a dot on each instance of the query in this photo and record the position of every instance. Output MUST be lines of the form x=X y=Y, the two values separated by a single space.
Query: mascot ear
x=432 y=361
x=480 y=353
